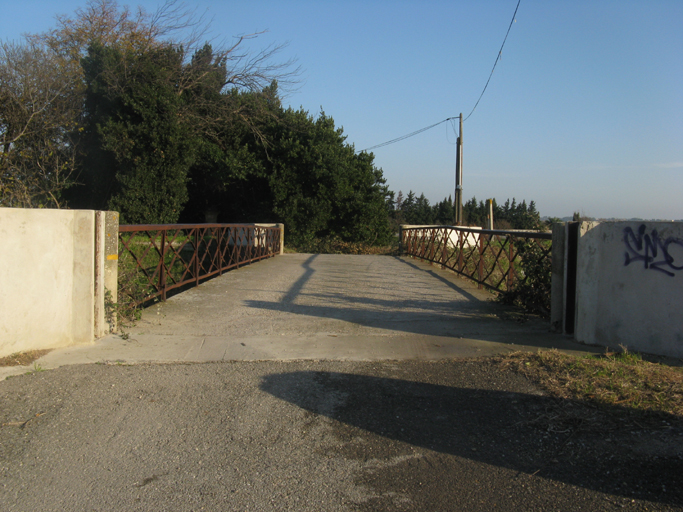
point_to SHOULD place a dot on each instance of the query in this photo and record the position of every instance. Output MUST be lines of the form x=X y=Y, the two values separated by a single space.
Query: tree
x=229 y=176
x=443 y=212
x=97 y=56
x=38 y=117
x=320 y=186
x=138 y=151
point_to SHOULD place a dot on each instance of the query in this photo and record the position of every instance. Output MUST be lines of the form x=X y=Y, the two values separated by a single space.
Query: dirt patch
x=23 y=358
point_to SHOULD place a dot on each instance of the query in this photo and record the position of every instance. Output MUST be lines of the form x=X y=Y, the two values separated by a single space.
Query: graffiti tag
x=652 y=250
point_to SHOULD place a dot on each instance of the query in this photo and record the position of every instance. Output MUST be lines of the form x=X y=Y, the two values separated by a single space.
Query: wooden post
x=489 y=217
x=458 y=178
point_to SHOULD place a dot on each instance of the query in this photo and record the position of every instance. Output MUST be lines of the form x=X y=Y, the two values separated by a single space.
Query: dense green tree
x=166 y=134
x=443 y=211
x=228 y=180
x=137 y=149
x=320 y=186
x=511 y=215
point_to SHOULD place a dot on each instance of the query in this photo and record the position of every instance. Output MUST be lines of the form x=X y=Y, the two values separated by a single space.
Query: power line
x=416 y=132
x=403 y=137
x=500 y=52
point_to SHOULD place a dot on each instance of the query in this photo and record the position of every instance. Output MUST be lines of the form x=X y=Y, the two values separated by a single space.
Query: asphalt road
x=461 y=435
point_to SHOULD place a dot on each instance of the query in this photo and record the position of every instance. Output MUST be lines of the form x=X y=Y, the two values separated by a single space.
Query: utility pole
x=458 y=221
x=489 y=215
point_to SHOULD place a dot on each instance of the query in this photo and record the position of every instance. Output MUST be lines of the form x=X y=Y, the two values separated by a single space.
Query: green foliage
x=282 y=165
x=133 y=289
x=532 y=291
x=335 y=245
x=509 y=216
x=165 y=135
x=321 y=187
x=137 y=151
x=418 y=211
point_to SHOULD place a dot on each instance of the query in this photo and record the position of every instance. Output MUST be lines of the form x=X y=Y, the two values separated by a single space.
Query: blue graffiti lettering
x=646 y=248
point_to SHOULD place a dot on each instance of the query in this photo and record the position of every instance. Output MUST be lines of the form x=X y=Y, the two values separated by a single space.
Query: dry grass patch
x=23 y=358
x=613 y=379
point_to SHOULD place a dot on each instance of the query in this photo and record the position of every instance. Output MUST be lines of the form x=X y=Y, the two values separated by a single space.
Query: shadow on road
x=450 y=284
x=440 y=309
x=517 y=431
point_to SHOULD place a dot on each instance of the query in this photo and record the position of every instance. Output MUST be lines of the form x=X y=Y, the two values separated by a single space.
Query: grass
x=333 y=245
x=614 y=379
x=23 y=358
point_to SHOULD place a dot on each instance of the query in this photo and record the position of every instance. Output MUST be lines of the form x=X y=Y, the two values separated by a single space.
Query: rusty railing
x=157 y=258
x=495 y=259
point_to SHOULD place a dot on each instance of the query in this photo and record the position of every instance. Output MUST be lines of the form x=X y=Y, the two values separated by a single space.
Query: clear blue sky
x=584 y=111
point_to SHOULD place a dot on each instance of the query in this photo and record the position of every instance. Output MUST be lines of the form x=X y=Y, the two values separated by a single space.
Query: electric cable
x=500 y=52
x=416 y=132
x=411 y=134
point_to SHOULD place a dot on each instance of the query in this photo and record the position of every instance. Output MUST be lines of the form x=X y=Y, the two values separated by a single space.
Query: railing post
x=162 y=269
x=196 y=256
x=219 y=248
x=481 y=260
x=460 y=246
x=511 y=270
x=250 y=242
x=432 y=247
x=400 y=239
x=238 y=248
x=281 y=237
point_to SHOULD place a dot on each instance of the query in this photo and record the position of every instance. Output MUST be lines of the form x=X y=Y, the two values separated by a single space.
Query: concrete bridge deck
x=336 y=307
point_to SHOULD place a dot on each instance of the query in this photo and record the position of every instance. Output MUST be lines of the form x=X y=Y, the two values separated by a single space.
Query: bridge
x=338 y=307
x=281 y=306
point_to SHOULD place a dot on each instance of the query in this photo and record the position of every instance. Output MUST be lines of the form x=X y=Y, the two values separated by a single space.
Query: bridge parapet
x=609 y=283
x=492 y=258
x=165 y=257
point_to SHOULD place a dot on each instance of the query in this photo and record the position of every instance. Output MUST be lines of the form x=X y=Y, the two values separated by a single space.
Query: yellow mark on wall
x=113 y=257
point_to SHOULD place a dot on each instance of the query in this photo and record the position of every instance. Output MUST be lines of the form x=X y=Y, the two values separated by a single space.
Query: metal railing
x=495 y=259
x=157 y=258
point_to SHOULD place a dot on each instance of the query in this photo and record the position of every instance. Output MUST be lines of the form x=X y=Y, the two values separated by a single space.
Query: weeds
x=23 y=358
x=612 y=379
x=335 y=245
x=133 y=289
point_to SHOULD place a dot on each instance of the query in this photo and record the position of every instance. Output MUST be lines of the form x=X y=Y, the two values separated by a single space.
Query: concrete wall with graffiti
x=629 y=286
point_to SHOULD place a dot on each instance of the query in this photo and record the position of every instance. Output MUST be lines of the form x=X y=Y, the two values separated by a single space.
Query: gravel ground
x=314 y=435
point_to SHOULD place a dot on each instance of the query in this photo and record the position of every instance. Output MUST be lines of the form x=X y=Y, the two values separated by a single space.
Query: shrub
x=532 y=291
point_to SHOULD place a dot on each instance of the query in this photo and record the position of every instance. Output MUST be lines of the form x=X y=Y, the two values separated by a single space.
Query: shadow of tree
x=524 y=432
x=324 y=291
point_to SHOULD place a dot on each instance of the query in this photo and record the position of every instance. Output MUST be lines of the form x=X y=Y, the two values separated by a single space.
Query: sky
x=584 y=112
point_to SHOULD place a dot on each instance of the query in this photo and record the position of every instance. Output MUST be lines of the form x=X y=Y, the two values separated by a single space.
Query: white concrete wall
x=46 y=278
x=629 y=286
x=469 y=239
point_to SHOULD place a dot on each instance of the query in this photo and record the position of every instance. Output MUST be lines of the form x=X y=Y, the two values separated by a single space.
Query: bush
x=532 y=291
x=335 y=245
